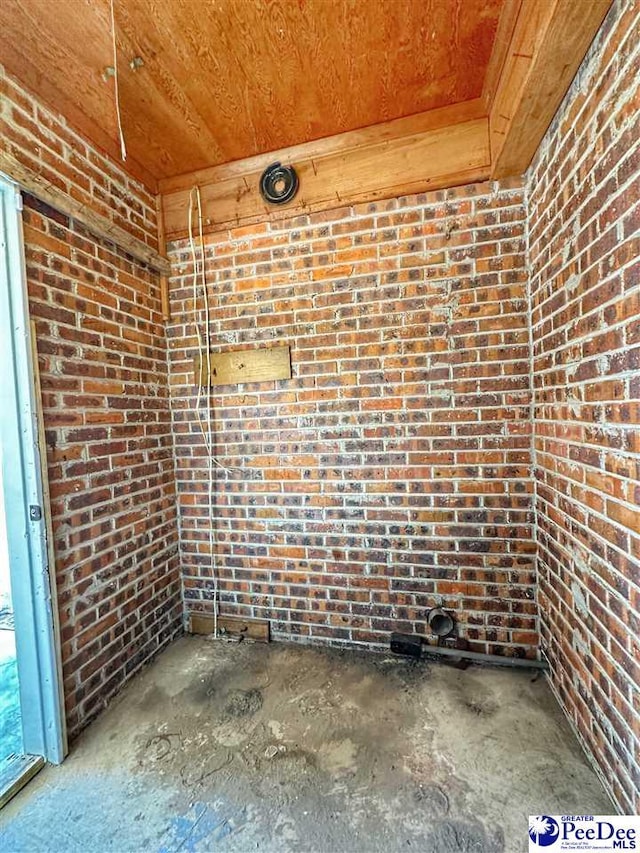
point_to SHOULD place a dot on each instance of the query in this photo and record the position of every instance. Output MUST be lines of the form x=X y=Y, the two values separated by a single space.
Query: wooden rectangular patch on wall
x=249 y=365
x=255 y=629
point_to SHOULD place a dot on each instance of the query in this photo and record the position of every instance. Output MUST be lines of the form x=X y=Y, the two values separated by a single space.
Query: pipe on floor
x=479 y=657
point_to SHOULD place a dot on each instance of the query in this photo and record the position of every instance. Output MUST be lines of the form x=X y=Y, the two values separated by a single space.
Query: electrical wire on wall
x=123 y=147
x=204 y=352
x=203 y=406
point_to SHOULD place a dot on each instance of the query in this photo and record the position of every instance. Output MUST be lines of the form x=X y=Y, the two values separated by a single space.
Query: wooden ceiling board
x=228 y=79
x=265 y=75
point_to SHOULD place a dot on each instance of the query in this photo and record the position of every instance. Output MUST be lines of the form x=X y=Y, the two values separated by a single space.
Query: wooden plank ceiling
x=224 y=80
x=368 y=99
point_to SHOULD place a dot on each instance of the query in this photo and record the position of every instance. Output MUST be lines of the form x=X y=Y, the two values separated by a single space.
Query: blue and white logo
x=584 y=833
x=543 y=830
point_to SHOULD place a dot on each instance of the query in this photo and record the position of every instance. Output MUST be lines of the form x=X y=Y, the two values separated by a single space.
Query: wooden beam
x=162 y=248
x=265 y=364
x=99 y=225
x=317 y=148
x=499 y=53
x=548 y=43
x=441 y=148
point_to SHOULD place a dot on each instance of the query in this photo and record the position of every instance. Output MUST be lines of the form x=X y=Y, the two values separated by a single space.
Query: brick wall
x=393 y=471
x=46 y=143
x=584 y=213
x=103 y=364
x=102 y=358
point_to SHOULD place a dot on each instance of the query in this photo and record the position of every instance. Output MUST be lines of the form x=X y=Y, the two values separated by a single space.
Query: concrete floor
x=223 y=747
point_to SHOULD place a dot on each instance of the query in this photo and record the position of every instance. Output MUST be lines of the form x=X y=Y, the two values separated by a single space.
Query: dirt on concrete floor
x=251 y=747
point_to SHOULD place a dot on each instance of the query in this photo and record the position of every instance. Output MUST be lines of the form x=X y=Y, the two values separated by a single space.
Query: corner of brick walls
x=392 y=472
x=584 y=224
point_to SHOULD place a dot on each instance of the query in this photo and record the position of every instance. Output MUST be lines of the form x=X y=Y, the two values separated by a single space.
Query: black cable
x=278 y=184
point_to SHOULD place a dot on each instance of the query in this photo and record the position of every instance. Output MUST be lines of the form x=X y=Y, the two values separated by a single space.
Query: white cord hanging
x=201 y=282
x=202 y=276
x=123 y=147
x=207 y=433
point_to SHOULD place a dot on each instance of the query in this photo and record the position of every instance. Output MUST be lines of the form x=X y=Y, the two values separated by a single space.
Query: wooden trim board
x=379 y=164
x=162 y=248
x=15 y=773
x=241 y=366
x=236 y=626
x=548 y=43
x=504 y=33
x=340 y=143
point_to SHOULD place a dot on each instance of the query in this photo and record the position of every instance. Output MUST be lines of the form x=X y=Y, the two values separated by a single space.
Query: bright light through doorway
x=10 y=722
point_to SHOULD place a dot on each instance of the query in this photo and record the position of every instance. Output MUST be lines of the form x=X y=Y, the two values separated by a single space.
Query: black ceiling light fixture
x=278 y=183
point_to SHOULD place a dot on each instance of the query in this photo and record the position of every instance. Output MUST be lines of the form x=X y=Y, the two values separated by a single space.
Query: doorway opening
x=10 y=718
